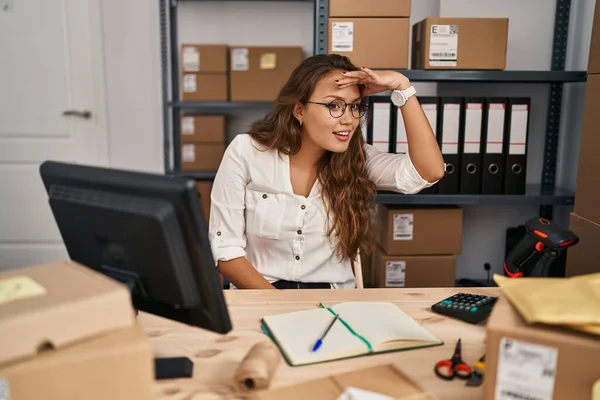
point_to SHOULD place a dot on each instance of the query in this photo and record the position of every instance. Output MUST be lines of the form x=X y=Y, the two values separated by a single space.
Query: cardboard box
x=582 y=258
x=371 y=8
x=587 y=190
x=67 y=332
x=204 y=189
x=419 y=230
x=413 y=271
x=387 y=380
x=460 y=43
x=259 y=73
x=117 y=365
x=201 y=157
x=204 y=58
x=60 y=303
x=371 y=42
x=203 y=129
x=537 y=361
x=204 y=87
x=594 y=55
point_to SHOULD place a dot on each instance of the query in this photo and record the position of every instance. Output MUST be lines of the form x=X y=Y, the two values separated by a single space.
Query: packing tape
x=257 y=368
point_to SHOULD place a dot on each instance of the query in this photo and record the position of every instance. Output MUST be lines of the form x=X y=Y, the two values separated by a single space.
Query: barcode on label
x=453 y=29
x=443 y=54
x=514 y=395
x=343 y=46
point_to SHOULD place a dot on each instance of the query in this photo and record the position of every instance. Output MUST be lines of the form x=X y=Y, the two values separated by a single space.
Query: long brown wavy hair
x=347 y=193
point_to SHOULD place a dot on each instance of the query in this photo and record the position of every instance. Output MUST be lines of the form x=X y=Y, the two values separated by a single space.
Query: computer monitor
x=145 y=230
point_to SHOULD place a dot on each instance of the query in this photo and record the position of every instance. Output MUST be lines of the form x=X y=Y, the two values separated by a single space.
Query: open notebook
x=362 y=328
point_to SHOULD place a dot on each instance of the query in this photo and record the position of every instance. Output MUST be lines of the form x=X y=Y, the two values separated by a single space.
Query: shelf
x=416 y=75
x=532 y=196
x=209 y=107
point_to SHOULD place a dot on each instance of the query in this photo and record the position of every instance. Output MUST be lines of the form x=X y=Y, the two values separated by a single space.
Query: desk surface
x=217 y=356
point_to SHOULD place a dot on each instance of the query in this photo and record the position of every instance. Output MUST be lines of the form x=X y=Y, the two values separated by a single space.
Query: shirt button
x=299 y=232
x=219 y=233
x=297 y=257
x=264 y=196
x=303 y=206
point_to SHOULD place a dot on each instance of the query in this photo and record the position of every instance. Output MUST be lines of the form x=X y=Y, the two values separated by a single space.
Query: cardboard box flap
x=387 y=380
x=505 y=318
x=53 y=305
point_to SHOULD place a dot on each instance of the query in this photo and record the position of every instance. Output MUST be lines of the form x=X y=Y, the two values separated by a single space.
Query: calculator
x=467 y=307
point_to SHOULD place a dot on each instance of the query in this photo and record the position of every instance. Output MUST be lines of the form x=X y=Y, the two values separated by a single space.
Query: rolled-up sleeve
x=394 y=172
x=227 y=222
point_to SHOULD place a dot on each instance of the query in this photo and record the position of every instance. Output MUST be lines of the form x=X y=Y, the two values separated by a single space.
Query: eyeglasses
x=337 y=108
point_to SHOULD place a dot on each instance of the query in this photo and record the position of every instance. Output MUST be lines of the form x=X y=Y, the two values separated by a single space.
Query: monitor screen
x=145 y=230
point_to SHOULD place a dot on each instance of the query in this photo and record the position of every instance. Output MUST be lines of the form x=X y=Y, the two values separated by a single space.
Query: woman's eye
x=333 y=106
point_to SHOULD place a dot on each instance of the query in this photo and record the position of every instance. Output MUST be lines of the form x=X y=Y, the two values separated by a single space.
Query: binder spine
x=516 y=146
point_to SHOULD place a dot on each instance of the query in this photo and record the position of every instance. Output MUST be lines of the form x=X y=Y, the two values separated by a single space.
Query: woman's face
x=332 y=123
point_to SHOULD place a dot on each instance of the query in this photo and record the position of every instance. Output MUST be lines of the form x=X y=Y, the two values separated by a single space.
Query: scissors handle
x=448 y=370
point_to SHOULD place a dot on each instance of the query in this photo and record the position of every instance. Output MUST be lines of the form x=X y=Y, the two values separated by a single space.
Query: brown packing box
x=419 y=230
x=259 y=73
x=116 y=365
x=587 y=190
x=594 y=55
x=387 y=380
x=413 y=271
x=201 y=157
x=371 y=8
x=203 y=129
x=537 y=361
x=67 y=332
x=370 y=42
x=74 y=303
x=582 y=258
x=204 y=87
x=203 y=58
x=204 y=188
x=460 y=43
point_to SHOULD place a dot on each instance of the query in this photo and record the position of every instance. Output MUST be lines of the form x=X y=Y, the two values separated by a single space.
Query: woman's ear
x=299 y=112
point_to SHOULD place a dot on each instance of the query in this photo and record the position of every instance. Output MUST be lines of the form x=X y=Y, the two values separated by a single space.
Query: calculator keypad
x=468 y=307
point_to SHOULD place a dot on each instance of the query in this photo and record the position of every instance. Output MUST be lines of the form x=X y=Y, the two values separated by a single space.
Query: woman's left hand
x=374 y=81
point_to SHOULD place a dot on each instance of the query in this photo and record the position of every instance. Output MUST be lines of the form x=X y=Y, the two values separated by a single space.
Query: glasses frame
x=362 y=107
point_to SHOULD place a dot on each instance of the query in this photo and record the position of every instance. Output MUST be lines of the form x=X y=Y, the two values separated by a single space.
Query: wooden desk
x=217 y=356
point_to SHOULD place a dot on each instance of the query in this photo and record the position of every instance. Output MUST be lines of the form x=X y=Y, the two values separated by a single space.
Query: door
x=51 y=108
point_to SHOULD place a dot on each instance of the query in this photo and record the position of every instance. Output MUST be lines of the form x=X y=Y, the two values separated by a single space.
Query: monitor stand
x=164 y=367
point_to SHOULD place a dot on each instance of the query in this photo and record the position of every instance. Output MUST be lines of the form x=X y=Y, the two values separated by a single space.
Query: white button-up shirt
x=255 y=214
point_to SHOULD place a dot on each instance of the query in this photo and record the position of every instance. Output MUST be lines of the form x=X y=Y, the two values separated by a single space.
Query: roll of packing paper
x=257 y=368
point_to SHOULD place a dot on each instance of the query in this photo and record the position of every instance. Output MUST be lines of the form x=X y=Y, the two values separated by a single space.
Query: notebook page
x=379 y=322
x=298 y=331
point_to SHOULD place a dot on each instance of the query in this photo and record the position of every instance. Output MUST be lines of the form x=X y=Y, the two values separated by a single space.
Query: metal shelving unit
x=546 y=195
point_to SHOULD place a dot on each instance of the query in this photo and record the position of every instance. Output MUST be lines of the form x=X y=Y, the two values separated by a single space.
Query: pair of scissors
x=454 y=367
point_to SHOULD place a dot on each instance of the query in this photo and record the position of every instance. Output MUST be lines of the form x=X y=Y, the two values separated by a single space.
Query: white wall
x=134 y=97
x=133 y=84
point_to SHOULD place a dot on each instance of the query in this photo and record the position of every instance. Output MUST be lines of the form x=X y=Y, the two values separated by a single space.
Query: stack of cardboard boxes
x=416 y=247
x=218 y=72
x=371 y=33
x=585 y=218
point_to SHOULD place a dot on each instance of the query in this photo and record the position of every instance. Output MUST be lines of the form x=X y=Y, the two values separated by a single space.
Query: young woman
x=290 y=202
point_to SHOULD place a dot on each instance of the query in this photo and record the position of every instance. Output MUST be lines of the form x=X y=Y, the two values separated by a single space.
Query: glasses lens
x=358 y=110
x=336 y=108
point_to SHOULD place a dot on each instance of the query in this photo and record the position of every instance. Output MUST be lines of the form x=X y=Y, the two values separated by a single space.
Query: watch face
x=397 y=98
